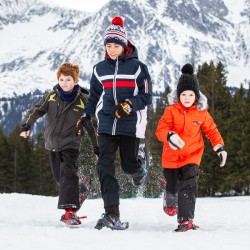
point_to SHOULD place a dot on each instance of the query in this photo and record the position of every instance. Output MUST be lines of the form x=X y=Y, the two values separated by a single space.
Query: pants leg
x=55 y=159
x=172 y=187
x=188 y=177
x=64 y=170
x=129 y=147
x=108 y=146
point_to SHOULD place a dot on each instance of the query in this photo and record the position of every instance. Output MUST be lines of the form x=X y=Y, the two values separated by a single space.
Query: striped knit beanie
x=115 y=33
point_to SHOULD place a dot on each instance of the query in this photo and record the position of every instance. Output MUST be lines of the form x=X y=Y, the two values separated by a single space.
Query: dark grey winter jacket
x=60 y=129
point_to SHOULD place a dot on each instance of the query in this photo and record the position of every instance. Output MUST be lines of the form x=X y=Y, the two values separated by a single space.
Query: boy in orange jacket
x=180 y=130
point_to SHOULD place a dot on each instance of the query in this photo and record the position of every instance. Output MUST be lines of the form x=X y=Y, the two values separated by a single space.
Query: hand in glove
x=175 y=140
x=220 y=150
x=84 y=119
x=123 y=109
x=25 y=131
x=96 y=152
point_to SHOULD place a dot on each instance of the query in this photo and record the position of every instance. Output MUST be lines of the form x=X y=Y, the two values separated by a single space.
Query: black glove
x=84 y=119
x=25 y=127
x=96 y=151
x=221 y=152
x=123 y=109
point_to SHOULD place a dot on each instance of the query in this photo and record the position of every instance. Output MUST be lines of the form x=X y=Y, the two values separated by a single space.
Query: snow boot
x=111 y=221
x=185 y=226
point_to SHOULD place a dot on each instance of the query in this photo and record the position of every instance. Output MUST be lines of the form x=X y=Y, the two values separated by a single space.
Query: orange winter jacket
x=187 y=123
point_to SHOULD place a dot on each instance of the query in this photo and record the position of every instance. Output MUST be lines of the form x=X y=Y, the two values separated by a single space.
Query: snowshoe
x=70 y=219
x=170 y=203
x=170 y=211
x=185 y=226
x=111 y=221
x=140 y=178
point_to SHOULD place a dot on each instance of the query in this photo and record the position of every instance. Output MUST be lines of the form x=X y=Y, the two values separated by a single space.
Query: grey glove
x=175 y=140
x=221 y=152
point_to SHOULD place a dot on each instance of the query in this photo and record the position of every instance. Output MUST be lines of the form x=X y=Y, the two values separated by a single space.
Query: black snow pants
x=108 y=146
x=181 y=189
x=64 y=169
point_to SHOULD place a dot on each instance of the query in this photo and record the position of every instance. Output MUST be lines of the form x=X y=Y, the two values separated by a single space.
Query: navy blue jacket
x=114 y=81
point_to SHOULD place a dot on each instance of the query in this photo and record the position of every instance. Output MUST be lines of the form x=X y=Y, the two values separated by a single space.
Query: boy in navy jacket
x=120 y=91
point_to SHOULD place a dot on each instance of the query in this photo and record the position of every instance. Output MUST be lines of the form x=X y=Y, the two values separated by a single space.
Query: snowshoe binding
x=185 y=226
x=70 y=218
x=170 y=211
x=170 y=203
x=111 y=221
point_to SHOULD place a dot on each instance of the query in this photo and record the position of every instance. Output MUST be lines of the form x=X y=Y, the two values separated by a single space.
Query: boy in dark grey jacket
x=64 y=107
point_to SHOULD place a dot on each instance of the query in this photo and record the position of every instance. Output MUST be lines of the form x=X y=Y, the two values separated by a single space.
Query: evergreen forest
x=24 y=165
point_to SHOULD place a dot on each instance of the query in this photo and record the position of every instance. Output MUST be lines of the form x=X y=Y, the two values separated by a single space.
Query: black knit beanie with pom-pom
x=188 y=81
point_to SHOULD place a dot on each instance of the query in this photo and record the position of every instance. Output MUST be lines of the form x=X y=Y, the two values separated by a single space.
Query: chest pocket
x=196 y=127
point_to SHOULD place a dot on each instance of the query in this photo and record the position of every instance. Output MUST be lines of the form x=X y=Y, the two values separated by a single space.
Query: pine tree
x=238 y=175
x=24 y=180
x=154 y=187
x=45 y=183
x=213 y=85
x=246 y=144
x=6 y=168
x=87 y=168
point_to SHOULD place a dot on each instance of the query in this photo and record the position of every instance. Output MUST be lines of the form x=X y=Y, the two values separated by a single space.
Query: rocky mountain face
x=37 y=37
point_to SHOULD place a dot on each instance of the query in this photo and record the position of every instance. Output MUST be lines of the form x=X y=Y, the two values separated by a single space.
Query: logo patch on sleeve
x=51 y=98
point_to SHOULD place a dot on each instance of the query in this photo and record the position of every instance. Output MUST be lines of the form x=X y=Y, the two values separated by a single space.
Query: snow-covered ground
x=32 y=223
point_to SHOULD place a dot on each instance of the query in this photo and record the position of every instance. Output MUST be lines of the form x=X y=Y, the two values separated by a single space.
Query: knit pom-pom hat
x=188 y=81
x=115 y=33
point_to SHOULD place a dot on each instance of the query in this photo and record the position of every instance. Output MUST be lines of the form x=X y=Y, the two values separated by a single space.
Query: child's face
x=67 y=83
x=187 y=98
x=114 y=50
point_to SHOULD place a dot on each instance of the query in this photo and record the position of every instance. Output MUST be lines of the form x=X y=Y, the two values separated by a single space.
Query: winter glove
x=82 y=122
x=96 y=151
x=220 y=150
x=25 y=130
x=25 y=127
x=175 y=140
x=123 y=109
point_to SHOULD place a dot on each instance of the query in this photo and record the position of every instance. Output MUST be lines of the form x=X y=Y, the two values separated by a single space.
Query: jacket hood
x=84 y=91
x=202 y=103
x=130 y=52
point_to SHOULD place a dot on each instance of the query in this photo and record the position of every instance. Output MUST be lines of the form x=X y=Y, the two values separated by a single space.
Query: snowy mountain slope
x=33 y=28
x=11 y=11
x=167 y=33
x=30 y=222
